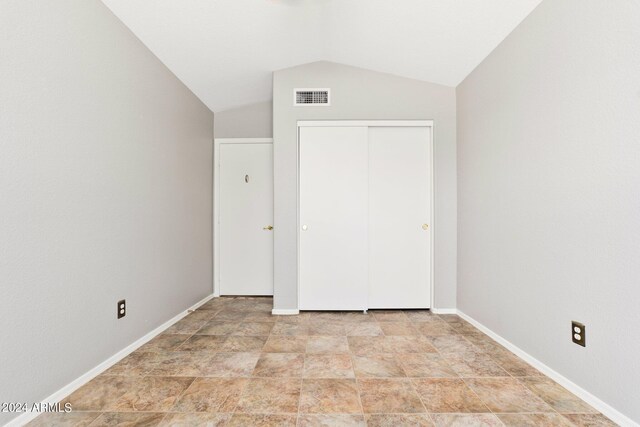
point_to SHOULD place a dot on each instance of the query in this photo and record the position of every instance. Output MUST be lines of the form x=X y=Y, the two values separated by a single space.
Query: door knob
x=304 y=228
x=268 y=227
x=425 y=226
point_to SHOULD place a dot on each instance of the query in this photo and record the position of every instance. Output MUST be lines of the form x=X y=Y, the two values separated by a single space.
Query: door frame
x=217 y=142
x=371 y=123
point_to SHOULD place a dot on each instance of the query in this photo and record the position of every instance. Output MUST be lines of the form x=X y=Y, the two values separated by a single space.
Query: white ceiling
x=225 y=50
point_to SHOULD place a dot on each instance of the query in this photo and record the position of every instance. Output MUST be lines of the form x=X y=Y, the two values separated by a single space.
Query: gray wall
x=549 y=192
x=361 y=94
x=248 y=121
x=105 y=193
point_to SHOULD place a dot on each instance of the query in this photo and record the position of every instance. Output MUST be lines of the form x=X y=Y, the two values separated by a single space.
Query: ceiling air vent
x=314 y=97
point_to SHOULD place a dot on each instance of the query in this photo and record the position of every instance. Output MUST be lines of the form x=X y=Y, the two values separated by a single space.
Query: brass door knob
x=268 y=227
x=425 y=226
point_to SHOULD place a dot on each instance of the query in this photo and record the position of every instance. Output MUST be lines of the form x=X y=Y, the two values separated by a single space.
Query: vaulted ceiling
x=226 y=50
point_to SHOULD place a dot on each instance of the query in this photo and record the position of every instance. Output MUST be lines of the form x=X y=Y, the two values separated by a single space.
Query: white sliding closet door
x=399 y=217
x=333 y=245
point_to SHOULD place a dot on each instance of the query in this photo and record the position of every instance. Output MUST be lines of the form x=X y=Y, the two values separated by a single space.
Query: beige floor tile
x=391 y=344
x=199 y=315
x=534 y=420
x=425 y=365
x=324 y=344
x=389 y=315
x=557 y=396
x=514 y=365
x=99 y=393
x=466 y=420
x=180 y=363
x=260 y=316
x=448 y=395
x=331 y=328
x=211 y=343
x=407 y=344
x=507 y=395
x=590 y=420
x=211 y=395
x=277 y=344
x=253 y=329
x=434 y=329
x=464 y=328
x=129 y=419
x=422 y=316
x=262 y=420
x=327 y=316
x=290 y=329
x=398 y=328
x=243 y=344
x=217 y=327
x=188 y=326
x=389 y=396
x=328 y=366
x=365 y=329
x=356 y=317
x=135 y=364
x=151 y=394
x=450 y=318
x=397 y=420
x=366 y=345
x=329 y=396
x=61 y=419
x=206 y=364
x=215 y=304
x=377 y=366
x=485 y=343
x=230 y=316
x=453 y=344
x=475 y=365
x=281 y=365
x=331 y=420
x=272 y=395
x=228 y=364
x=204 y=419
x=295 y=318
x=163 y=342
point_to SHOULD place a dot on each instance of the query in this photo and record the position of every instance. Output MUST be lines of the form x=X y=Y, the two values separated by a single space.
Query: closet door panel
x=399 y=212
x=333 y=225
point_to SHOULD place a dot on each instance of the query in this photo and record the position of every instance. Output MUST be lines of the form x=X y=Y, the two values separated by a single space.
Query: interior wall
x=105 y=193
x=361 y=94
x=248 y=121
x=548 y=193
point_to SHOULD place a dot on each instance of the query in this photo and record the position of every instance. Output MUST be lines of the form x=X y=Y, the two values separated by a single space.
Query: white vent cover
x=311 y=97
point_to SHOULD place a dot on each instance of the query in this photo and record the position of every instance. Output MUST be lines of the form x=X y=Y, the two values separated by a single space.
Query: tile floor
x=231 y=363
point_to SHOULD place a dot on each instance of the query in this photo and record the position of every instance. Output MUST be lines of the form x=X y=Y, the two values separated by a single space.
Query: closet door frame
x=372 y=123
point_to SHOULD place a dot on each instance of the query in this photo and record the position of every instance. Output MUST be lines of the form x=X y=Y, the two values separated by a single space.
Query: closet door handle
x=425 y=226
x=304 y=227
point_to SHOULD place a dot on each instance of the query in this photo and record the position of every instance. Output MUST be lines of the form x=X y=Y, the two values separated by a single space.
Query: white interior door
x=399 y=217
x=246 y=213
x=333 y=218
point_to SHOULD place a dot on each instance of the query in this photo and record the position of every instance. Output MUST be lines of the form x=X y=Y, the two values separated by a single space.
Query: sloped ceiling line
x=225 y=50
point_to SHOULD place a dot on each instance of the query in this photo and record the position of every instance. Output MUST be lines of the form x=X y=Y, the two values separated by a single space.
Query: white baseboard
x=592 y=400
x=285 y=311
x=85 y=378
x=444 y=310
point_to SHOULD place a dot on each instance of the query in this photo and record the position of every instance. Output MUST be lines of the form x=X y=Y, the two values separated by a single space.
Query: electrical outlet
x=122 y=309
x=578 y=333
